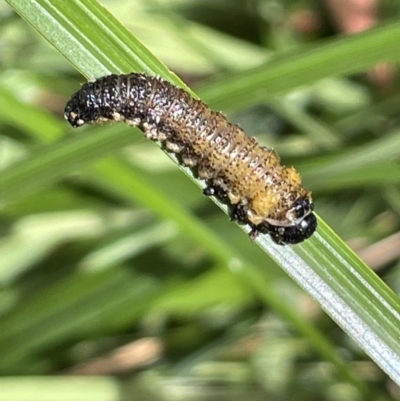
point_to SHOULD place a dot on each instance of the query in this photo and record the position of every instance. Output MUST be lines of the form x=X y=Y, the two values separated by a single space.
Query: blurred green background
x=102 y=298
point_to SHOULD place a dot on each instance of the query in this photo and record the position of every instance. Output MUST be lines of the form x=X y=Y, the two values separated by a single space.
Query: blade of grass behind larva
x=70 y=36
x=68 y=26
x=303 y=67
x=49 y=164
x=41 y=125
x=386 y=148
x=101 y=388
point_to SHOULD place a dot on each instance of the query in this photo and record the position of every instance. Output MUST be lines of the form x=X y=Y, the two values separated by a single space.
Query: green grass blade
x=97 y=44
x=304 y=67
x=47 y=165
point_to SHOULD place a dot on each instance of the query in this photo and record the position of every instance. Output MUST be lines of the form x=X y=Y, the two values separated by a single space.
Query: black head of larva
x=303 y=227
x=83 y=106
x=294 y=234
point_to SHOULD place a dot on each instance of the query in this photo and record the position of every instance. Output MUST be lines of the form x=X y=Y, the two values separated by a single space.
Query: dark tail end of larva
x=154 y=104
x=81 y=109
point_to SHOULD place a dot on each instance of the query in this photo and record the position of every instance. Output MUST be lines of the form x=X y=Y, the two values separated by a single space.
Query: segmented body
x=261 y=192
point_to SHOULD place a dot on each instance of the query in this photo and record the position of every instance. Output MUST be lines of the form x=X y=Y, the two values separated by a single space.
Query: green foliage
x=104 y=243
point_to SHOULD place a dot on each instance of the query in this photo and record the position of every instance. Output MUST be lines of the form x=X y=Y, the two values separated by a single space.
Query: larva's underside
x=248 y=177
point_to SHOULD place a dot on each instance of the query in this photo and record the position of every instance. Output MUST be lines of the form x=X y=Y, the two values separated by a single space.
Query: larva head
x=300 y=223
x=83 y=107
x=293 y=234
